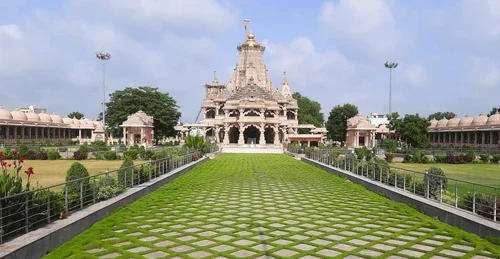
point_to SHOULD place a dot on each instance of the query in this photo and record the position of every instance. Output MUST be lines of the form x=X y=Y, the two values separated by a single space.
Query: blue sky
x=333 y=51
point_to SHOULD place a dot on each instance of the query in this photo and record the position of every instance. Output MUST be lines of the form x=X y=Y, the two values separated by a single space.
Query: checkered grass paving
x=253 y=206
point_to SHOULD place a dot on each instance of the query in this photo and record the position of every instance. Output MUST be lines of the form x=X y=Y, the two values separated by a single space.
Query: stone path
x=269 y=206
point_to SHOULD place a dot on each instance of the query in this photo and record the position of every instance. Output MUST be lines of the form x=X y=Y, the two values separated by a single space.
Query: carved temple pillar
x=226 y=134
x=241 y=139
x=276 y=136
x=262 y=139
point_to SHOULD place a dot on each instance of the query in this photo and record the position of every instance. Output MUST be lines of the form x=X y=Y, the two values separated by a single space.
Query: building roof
x=138 y=119
x=360 y=122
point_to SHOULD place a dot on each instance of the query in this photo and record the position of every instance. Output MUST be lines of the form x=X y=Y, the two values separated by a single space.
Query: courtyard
x=269 y=206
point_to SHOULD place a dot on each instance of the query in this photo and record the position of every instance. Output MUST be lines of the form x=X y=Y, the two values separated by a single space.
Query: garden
x=249 y=205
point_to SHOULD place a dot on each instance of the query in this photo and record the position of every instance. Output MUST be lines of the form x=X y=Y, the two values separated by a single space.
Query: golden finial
x=284 y=77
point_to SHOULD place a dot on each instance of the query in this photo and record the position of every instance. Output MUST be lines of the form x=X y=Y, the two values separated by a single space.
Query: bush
x=98 y=155
x=79 y=177
x=419 y=157
x=41 y=155
x=83 y=151
x=471 y=156
x=99 y=146
x=360 y=153
x=132 y=153
x=495 y=159
x=106 y=189
x=31 y=155
x=484 y=204
x=77 y=155
x=440 y=158
x=389 y=145
x=485 y=158
x=408 y=158
x=458 y=159
x=389 y=157
x=436 y=176
x=23 y=149
x=110 y=155
x=368 y=154
x=53 y=154
x=126 y=171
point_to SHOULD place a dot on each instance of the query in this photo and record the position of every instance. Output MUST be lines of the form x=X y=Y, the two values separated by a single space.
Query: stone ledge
x=450 y=215
x=37 y=243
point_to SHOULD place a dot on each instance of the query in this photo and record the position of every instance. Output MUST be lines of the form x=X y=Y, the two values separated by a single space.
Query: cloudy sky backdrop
x=333 y=51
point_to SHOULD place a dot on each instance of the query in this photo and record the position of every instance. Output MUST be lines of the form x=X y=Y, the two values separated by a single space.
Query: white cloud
x=416 y=76
x=11 y=31
x=370 y=25
x=484 y=72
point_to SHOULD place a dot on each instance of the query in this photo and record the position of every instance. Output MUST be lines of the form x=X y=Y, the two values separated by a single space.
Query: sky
x=333 y=51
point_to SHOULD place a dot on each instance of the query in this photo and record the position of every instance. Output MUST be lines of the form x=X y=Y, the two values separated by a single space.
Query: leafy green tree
x=440 y=115
x=160 y=105
x=337 y=121
x=493 y=111
x=309 y=111
x=77 y=115
x=195 y=142
x=412 y=127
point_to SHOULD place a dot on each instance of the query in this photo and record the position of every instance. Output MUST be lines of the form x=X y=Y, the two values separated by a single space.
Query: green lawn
x=485 y=174
x=252 y=206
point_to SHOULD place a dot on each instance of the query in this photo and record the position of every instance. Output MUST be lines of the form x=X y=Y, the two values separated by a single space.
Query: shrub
x=148 y=154
x=485 y=158
x=131 y=153
x=110 y=155
x=484 y=204
x=436 y=176
x=368 y=154
x=126 y=171
x=106 y=189
x=360 y=153
x=440 y=158
x=77 y=155
x=408 y=158
x=389 y=145
x=496 y=159
x=53 y=154
x=419 y=157
x=31 y=155
x=99 y=146
x=98 y=155
x=389 y=157
x=471 y=156
x=458 y=159
x=195 y=142
x=79 y=177
x=83 y=151
x=23 y=149
x=41 y=155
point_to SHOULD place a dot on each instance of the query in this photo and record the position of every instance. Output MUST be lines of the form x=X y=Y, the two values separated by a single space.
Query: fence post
x=26 y=210
x=414 y=182
x=456 y=193
x=132 y=179
x=426 y=183
x=125 y=177
x=81 y=194
x=1 y=224
x=396 y=179
x=93 y=191
x=66 y=199
x=473 y=199
x=149 y=169
x=48 y=208
x=494 y=206
x=107 y=176
x=404 y=180
x=440 y=189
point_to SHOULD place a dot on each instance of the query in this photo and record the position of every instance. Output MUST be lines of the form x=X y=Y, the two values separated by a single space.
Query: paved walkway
x=269 y=206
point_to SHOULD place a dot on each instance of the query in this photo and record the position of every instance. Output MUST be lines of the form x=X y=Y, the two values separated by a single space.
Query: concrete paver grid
x=240 y=206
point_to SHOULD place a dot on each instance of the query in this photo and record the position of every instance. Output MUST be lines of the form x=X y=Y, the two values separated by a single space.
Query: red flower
x=4 y=163
x=14 y=152
x=21 y=159
x=29 y=171
x=3 y=157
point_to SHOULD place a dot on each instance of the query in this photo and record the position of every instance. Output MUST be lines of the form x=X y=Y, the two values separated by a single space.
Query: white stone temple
x=249 y=111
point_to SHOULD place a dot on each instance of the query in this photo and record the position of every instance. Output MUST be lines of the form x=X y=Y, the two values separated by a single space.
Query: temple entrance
x=251 y=135
x=221 y=135
x=269 y=135
x=210 y=135
x=234 y=134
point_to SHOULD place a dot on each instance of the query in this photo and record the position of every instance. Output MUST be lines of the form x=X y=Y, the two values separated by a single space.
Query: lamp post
x=103 y=56
x=390 y=66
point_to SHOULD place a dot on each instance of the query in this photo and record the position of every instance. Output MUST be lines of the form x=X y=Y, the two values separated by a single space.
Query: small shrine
x=138 y=129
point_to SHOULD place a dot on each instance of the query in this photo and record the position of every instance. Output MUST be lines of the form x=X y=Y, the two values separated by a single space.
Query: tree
x=440 y=115
x=493 y=111
x=337 y=121
x=412 y=127
x=309 y=111
x=77 y=115
x=130 y=100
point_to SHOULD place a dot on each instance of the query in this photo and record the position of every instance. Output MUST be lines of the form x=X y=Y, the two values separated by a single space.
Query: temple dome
x=494 y=119
x=250 y=42
x=453 y=122
x=31 y=116
x=18 y=115
x=433 y=123
x=44 y=117
x=466 y=121
x=480 y=120
x=76 y=121
x=56 y=118
x=67 y=120
x=5 y=114
x=442 y=123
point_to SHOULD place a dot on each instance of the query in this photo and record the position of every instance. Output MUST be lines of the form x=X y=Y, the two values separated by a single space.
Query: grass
x=487 y=174
x=241 y=205
x=51 y=172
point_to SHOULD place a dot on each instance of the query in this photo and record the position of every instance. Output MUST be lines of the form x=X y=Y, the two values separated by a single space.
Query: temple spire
x=285 y=88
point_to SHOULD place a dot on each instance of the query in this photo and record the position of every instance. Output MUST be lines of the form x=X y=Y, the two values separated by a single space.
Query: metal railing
x=26 y=211
x=433 y=151
x=478 y=199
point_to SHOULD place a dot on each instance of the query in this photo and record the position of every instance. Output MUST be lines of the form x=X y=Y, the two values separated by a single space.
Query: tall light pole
x=390 y=66
x=103 y=56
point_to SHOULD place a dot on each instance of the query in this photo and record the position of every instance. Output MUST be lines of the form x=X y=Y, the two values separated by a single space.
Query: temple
x=249 y=110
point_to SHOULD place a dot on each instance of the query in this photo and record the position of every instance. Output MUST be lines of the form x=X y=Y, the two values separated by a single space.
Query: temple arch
x=251 y=134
